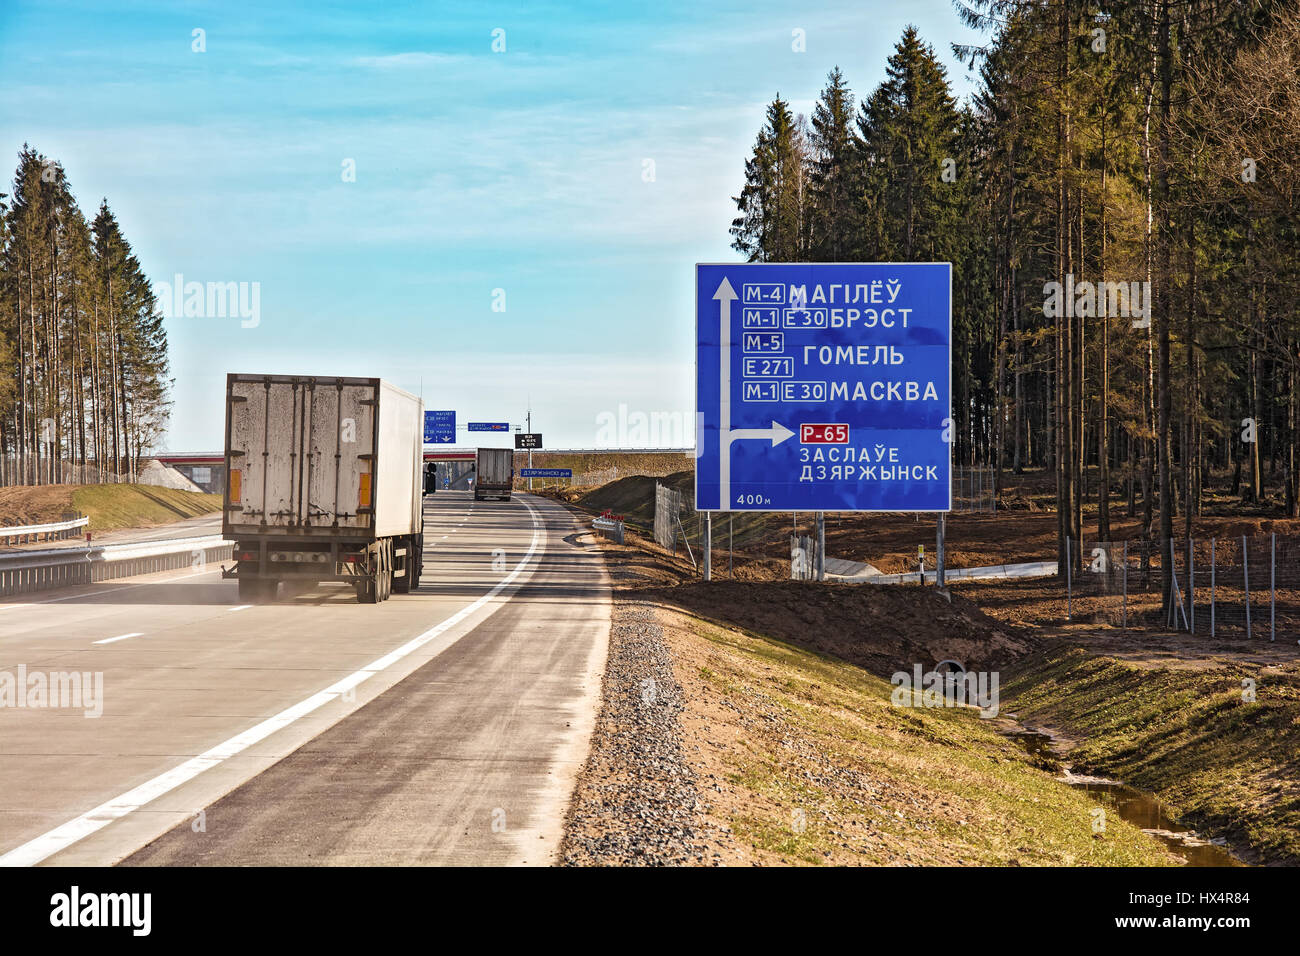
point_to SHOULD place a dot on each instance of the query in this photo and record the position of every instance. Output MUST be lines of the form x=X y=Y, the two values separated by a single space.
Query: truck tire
x=385 y=582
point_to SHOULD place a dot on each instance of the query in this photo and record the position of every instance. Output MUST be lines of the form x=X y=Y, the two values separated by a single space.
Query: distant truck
x=494 y=473
x=325 y=484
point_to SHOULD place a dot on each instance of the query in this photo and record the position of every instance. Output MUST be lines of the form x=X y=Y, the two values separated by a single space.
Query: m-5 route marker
x=852 y=360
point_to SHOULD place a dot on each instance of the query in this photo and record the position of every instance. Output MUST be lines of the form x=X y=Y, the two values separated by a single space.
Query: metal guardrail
x=34 y=531
x=609 y=528
x=24 y=571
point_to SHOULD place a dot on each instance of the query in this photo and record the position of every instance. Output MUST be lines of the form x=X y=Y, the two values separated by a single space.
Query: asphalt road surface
x=443 y=726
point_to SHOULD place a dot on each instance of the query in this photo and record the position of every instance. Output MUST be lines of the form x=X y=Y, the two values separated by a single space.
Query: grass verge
x=813 y=764
x=1184 y=731
x=111 y=507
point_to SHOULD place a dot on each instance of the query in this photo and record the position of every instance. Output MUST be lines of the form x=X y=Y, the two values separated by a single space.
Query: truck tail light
x=246 y=556
x=363 y=496
x=236 y=484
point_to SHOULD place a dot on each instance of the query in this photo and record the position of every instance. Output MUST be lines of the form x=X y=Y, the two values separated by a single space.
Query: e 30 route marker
x=852 y=360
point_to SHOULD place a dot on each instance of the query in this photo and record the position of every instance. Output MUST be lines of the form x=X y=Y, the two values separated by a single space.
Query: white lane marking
x=120 y=637
x=123 y=587
x=241 y=607
x=47 y=844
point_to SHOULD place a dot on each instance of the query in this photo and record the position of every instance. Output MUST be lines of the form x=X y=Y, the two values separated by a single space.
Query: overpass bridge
x=207 y=469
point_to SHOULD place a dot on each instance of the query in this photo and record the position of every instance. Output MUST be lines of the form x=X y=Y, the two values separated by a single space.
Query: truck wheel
x=384 y=583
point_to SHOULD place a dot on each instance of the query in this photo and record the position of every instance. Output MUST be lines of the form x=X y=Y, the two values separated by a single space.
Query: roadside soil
x=743 y=724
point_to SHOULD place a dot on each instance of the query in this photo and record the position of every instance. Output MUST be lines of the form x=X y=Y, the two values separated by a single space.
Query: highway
x=443 y=726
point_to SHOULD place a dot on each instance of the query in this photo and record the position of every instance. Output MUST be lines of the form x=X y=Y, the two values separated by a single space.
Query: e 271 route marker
x=823 y=386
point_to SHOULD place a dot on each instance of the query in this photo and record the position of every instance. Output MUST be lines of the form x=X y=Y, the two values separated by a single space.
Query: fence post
x=1212 y=583
x=1124 y=618
x=1069 y=584
x=1175 y=594
x=1272 y=587
x=1245 y=576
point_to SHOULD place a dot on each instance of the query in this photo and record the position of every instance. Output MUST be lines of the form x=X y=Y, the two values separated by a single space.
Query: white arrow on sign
x=777 y=433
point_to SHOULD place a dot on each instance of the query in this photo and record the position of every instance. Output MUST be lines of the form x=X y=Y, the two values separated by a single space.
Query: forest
x=83 y=353
x=1119 y=200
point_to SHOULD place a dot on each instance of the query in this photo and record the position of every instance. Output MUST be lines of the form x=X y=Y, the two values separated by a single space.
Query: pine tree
x=772 y=225
x=833 y=173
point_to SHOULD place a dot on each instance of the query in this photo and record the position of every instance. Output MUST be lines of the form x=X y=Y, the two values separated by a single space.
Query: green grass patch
x=111 y=507
x=832 y=772
x=1222 y=763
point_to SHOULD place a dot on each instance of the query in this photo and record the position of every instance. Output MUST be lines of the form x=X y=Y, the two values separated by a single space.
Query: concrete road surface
x=443 y=726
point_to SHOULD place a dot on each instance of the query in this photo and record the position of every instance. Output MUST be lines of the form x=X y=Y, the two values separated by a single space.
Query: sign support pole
x=938 y=558
x=821 y=546
x=708 y=545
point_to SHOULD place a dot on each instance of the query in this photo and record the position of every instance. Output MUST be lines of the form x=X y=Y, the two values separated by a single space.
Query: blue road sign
x=489 y=426
x=823 y=387
x=439 y=427
x=545 y=472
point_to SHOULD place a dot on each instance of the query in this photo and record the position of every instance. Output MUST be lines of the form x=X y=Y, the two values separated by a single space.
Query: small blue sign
x=545 y=472
x=439 y=427
x=489 y=426
x=823 y=387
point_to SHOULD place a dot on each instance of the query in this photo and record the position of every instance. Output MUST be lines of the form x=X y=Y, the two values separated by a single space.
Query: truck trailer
x=494 y=473
x=325 y=484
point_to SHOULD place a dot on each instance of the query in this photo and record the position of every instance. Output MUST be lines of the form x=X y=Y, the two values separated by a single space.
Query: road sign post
x=938 y=554
x=821 y=546
x=708 y=546
x=823 y=387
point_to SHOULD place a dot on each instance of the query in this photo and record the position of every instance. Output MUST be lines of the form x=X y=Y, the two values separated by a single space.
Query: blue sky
x=475 y=170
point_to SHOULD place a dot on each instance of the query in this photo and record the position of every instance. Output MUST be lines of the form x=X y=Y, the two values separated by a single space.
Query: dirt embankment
x=742 y=724
x=109 y=507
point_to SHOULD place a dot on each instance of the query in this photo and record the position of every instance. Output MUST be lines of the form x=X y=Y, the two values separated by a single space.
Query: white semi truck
x=325 y=483
x=494 y=473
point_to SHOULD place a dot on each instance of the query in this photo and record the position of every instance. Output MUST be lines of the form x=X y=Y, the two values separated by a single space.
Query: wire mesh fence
x=972 y=490
x=1234 y=587
x=17 y=471
x=668 y=513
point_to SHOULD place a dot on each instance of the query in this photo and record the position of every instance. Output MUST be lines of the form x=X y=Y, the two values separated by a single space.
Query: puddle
x=1135 y=806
